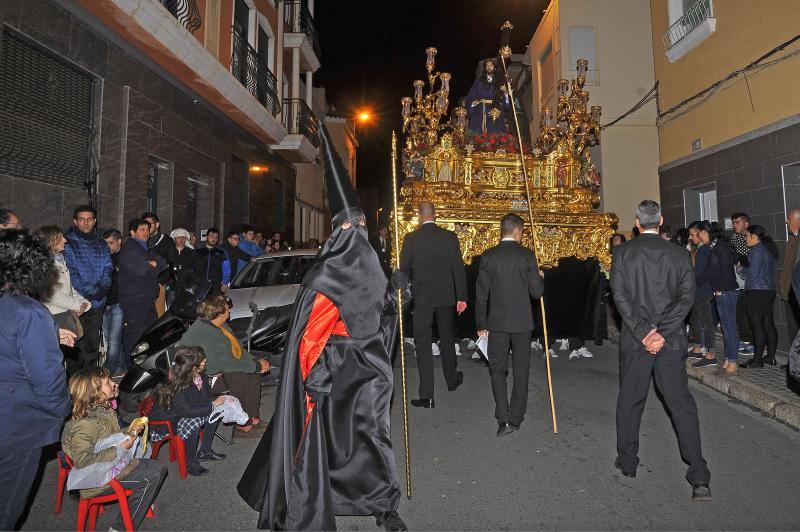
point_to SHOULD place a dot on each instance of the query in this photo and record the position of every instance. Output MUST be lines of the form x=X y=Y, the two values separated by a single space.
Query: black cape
x=342 y=463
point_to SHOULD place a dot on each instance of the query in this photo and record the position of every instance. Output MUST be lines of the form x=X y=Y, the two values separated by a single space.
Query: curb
x=748 y=394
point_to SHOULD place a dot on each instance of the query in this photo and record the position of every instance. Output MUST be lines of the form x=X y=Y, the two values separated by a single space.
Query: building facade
x=199 y=110
x=729 y=112
x=611 y=35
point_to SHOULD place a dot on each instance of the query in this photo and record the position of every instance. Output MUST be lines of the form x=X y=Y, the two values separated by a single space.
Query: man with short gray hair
x=653 y=285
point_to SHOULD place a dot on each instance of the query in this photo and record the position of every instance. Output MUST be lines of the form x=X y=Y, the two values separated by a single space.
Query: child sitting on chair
x=93 y=420
x=187 y=402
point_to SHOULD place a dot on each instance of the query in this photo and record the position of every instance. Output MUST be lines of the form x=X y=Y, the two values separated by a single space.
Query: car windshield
x=274 y=271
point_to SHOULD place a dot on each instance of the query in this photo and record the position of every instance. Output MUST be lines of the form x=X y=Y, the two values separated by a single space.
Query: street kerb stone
x=789 y=414
x=752 y=396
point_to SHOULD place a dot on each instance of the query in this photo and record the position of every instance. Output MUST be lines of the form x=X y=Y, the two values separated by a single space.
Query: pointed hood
x=341 y=195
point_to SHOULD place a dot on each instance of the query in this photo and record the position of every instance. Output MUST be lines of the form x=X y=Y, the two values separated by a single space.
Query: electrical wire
x=650 y=95
x=755 y=66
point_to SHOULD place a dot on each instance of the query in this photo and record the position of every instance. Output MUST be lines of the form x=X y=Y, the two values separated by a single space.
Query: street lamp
x=378 y=218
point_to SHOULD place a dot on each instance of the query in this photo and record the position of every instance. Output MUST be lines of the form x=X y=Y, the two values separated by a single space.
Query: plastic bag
x=230 y=411
x=100 y=474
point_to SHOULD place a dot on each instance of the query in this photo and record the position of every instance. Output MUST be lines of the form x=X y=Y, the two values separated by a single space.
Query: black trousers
x=746 y=333
x=193 y=441
x=759 y=305
x=637 y=368
x=520 y=345
x=423 y=337
x=144 y=482
x=137 y=315
x=792 y=315
x=18 y=468
x=89 y=344
x=702 y=322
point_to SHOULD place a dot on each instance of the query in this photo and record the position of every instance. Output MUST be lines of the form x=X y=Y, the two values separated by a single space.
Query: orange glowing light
x=364 y=116
x=256 y=168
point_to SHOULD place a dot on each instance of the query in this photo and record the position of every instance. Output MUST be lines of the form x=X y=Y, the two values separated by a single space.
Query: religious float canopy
x=475 y=178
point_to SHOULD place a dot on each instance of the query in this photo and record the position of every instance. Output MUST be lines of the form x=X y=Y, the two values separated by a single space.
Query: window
x=791 y=189
x=700 y=203
x=582 y=45
x=690 y=23
x=278 y=271
x=153 y=166
x=46 y=105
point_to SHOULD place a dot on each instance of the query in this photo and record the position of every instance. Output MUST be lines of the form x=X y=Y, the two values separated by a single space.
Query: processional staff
x=505 y=53
x=396 y=260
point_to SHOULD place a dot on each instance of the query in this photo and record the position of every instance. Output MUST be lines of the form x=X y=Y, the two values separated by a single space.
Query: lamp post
x=378 y=218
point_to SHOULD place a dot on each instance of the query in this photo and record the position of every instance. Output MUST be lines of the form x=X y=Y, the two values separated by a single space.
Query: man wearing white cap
x=186 y=258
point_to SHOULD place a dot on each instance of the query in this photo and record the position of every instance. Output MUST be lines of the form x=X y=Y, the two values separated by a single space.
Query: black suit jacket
x=137 y=278
x=383 y=256
x=431 y=257
x=507 y=280
x=653 y=285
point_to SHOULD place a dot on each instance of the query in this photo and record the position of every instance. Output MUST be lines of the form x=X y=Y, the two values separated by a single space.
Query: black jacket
x=184 y=267
x=653 y=285
x=384 y=252
x=189 y=403
x=112 y=297
x=507 y=280
x=164 y=247
x=431 y=257
x=209 y=264
x=137 y=278
x=720 y=272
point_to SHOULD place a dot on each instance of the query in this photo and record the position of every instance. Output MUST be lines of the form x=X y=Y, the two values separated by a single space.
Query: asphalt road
x=465 y=478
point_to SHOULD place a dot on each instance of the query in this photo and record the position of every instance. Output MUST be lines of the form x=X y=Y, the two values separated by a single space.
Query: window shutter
x=582 y=46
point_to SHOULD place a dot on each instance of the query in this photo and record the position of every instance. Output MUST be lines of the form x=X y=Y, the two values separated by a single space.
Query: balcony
x=186 y=12
x=253 y=73
x=301 y=32
x=302 y=140
x=695 y=25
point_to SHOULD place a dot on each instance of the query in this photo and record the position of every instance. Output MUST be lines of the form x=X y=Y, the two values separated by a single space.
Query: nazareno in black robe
x=327 y=450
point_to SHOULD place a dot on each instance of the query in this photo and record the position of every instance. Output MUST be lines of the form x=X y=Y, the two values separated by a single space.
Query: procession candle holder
x=445 y=77
x=430 y=60
x=441 y=102
x=547 y=117
x=596 y=112
x=405 y=101
x=582 y=66
x=418 y=85
x=461 y=119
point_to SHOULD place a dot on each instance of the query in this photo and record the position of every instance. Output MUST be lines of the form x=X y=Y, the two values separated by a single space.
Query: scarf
x=236 y=347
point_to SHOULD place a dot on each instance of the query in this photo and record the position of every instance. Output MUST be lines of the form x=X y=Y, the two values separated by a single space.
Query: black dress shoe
x=196 y=470
x=618 y=465
x=424 y=403
x=701 y=492
x=752 y=363
x=207 y=456
x=459 y=381
x=505 y=429
x=390 y=521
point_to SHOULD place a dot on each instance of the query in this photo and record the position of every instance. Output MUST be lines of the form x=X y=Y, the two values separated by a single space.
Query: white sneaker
x=536 y=345
x=458 y=350
x=435 y=349
x=564 y=344
x=574 y=354
x=552 y=353
x=471 y=345
x=585 y=353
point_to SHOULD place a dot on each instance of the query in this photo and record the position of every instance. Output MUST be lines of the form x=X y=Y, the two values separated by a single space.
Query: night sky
x=372 y=51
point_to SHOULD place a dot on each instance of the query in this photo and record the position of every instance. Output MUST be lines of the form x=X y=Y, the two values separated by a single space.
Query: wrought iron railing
x=692 y=18
x=186 y=12
x=252 y=71
x=299 y=119
x=297 y=19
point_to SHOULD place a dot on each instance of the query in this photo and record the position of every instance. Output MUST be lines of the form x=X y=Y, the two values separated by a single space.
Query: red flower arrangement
x=492 y=142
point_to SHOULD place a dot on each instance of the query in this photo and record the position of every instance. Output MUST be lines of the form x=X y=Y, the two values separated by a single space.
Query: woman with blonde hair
x=225 y=356
x=94 y=419
x=64 y=302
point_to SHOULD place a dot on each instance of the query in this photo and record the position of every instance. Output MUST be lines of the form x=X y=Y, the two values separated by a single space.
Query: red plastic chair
x=64 y=467
x=90 y=508
x=177 y=445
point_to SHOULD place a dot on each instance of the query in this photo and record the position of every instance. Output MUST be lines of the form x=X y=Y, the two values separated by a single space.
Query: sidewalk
x=764 y=388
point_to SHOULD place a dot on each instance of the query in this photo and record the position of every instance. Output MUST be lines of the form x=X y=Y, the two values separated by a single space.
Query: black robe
x=337 y=460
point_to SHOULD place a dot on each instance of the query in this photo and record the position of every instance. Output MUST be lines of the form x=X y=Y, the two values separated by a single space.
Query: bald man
x=431 y=257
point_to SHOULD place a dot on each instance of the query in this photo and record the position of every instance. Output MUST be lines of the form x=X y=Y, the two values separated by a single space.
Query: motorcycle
x=263 y=337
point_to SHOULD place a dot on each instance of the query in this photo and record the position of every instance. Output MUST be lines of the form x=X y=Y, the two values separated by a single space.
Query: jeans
x=726 y=308
x=112 y=332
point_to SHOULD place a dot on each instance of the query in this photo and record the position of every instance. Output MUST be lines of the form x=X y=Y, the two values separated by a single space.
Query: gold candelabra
x=574 y=120
x=422 y=114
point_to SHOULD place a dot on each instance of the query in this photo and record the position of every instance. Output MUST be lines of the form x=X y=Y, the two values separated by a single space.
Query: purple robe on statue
x=481 y=101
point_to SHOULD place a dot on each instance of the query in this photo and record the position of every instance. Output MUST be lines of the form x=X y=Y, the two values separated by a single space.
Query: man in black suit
x=653 y=285
x=431 y=257
x=507 y=280
x=383 y=247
